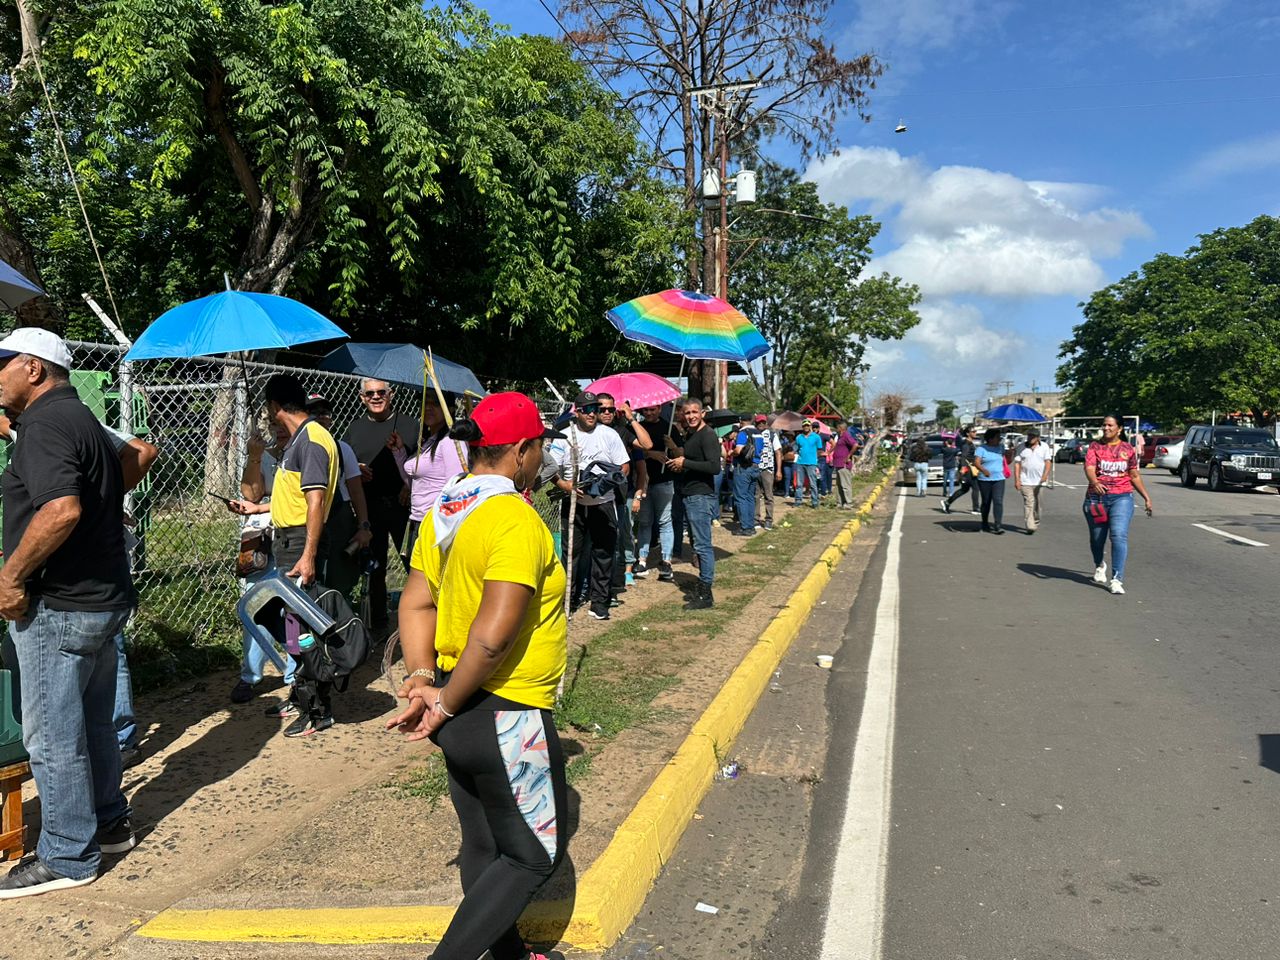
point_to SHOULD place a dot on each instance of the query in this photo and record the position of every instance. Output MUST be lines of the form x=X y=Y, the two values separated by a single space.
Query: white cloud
x=955 y=331
x=1170 y=24
x=968 y=230
x=923 y=24
x=1242 y=156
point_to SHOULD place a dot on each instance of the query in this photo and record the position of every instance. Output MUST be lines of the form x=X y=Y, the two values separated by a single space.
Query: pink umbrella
x=638 y=389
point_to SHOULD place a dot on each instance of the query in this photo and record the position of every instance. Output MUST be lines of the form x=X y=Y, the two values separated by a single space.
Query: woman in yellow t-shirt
x=483 y=631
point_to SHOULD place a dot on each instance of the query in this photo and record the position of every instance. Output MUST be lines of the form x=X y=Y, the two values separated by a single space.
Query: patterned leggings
x=506 y=780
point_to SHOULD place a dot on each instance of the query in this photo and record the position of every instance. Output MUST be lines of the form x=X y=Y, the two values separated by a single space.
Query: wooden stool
x=13 y=835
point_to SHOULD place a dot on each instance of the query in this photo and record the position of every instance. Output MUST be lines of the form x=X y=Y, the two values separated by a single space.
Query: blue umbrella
x=401 y=363
x=232 y=321
x=1016 y=413
x=15 y=289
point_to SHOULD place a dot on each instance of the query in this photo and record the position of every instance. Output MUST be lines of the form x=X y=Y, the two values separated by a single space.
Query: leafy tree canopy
x=1184 y=335
x=418 y=174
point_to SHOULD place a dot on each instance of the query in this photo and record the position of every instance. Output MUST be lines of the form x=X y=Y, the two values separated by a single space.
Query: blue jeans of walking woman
x=922 y=478
x=992 y=493
x=68 y=664
x=1116 y=529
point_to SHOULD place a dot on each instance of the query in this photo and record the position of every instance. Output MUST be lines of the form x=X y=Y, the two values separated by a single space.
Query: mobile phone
x=217 y=496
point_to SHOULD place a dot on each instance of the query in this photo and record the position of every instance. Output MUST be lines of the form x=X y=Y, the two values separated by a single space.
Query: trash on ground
x=729 y=771
x=706 y=908
x=825 y=660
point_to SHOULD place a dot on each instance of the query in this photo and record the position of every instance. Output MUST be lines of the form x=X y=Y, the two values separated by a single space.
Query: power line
x=596 y=70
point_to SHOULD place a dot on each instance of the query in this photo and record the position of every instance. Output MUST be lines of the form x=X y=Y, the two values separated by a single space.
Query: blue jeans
x=122 y=719
x=1119 y=514
x=825 y=469
x=803 y=471
x=949 y=479
x=255 y=656
x=699 y=511
x=922 y=478
x=788 y=478
x=656 y=506
x=745 y=480
x=68 y=663
x=678 y=523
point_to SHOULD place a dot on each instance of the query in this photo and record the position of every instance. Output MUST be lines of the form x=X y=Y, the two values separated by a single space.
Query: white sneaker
x=1116 y=586
x=1100 y=575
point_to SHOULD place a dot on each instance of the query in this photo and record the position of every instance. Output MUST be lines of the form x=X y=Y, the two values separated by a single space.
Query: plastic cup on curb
x=825 y=660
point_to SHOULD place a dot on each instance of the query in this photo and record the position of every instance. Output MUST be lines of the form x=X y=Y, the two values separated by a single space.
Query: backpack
x=341 y=649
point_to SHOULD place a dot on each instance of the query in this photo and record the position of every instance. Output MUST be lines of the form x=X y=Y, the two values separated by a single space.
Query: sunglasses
x=608 y=409
x=376 y=393
x=590 y=408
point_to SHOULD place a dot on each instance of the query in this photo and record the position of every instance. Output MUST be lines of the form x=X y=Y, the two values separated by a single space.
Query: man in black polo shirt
x=66 y=591
x=384 y=489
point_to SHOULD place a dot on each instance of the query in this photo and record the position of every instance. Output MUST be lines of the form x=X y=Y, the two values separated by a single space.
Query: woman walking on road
x=1111 y=466
x=483 y=630
x=990 y=466
x=919 y=457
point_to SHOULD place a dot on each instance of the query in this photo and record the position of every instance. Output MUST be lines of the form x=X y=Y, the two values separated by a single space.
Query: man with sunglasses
x=386 y=495
x=635 y=440
x=580 y=455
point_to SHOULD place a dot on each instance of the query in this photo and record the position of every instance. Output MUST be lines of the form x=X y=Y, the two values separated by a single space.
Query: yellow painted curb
x=612 y=891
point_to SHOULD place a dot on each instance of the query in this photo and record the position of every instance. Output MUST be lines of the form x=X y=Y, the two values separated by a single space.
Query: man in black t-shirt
x=696 y=467
x=386 y=495
x=66 y=591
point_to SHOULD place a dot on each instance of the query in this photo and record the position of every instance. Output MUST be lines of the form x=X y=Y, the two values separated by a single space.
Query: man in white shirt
x=595 y=518
x=770 y=469
x=1032 y=468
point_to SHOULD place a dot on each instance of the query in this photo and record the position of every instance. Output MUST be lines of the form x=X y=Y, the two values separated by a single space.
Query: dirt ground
x=229 y=813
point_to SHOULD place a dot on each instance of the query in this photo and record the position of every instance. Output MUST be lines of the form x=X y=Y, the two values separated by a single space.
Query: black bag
x=342 y=649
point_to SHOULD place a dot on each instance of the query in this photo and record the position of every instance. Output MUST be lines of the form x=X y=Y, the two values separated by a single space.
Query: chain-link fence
x=201 y=413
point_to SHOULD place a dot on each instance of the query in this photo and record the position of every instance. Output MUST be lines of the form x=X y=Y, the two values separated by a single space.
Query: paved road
x=1016 y=764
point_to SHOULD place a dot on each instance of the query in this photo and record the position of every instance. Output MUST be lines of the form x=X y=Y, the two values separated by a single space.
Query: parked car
x=935 y=462
x=1169 y=455
x=1229 y=455
x=1149 y=450
x=1073 y=451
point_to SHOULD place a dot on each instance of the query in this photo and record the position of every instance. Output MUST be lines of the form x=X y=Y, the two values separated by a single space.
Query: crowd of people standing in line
x=482 y=621
x=647 y=479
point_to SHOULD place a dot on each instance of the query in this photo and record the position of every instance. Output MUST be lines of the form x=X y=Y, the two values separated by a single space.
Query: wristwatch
x=365 y=525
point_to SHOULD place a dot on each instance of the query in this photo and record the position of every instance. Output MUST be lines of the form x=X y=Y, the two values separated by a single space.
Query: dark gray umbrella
x=15 y=289
x=401 y=363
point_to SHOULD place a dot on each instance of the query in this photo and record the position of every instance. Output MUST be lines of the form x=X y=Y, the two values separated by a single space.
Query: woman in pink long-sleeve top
x=439 y=461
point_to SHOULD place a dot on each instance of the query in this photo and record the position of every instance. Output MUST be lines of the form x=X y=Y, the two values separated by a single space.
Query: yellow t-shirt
x=504 y=539
x=309 y=462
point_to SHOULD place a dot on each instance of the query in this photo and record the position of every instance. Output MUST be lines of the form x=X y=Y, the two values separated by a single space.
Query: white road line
x=1229 y=536
x=855 y=911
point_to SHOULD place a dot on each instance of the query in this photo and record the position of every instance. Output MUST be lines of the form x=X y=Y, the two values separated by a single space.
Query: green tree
x=1185 y=335
x=417 y=172
x=945 y=413
x=798 y=276
x=745 y=398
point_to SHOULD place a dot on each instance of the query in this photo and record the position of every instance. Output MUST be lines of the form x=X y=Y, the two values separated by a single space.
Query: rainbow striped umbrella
x=695 y=325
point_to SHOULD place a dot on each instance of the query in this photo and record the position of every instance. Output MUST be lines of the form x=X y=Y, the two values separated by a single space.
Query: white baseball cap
x=36 y=342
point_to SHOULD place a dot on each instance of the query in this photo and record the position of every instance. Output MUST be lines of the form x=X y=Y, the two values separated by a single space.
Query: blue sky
x=1051 y=149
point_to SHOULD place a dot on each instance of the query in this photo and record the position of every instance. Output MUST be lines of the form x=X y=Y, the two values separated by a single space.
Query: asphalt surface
x=1074 y=775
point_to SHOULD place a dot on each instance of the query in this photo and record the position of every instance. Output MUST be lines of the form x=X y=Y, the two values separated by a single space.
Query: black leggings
x=992 y=500
x=504 y=857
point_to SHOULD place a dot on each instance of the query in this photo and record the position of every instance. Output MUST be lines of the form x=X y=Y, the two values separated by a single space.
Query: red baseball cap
x=508 y=418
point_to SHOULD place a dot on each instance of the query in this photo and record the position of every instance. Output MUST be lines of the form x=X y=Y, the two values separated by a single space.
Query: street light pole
x=722 y=255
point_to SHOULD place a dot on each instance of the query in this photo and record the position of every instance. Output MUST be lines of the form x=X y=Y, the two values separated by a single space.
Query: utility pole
x=726 y=102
